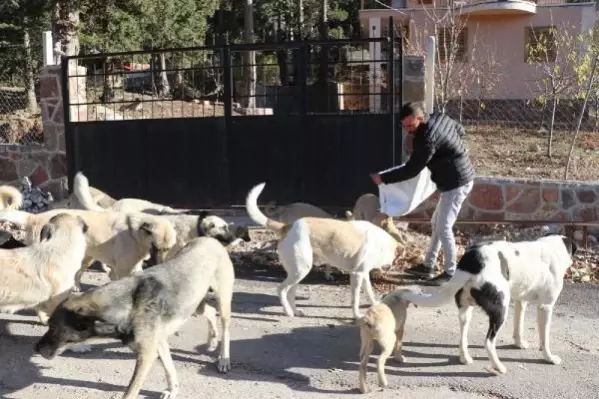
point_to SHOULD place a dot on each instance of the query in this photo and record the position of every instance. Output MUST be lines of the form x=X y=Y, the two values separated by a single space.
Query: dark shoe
x=421 y=270
x=440 y=279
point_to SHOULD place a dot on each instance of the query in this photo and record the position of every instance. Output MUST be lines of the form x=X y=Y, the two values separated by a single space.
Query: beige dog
x=366 y=208
x=121 y=240
x=290 y=213
x=10 y=197
x=356 y=247
x=383 y=323
x=42 y=275
x=187 y=227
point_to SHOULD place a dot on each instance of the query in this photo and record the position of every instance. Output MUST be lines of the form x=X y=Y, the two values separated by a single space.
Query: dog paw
x=466 y=359
x=383 y=383
x=212 y=344
x=81 y=348
x=499 y=369
x=521 y=344
x=553 y=359
x=224 y=365
x=399 y=358
x=364 y=390
x=170 y=393
x=300 y=313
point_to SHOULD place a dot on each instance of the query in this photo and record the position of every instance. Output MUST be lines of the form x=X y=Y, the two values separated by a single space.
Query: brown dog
x=384 y=323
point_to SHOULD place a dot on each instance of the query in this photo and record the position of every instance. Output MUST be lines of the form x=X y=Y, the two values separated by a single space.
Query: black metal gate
x=310 y=148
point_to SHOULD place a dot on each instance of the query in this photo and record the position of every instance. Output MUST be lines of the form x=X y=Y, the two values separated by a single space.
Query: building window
x=540 y=44
x=452 y=44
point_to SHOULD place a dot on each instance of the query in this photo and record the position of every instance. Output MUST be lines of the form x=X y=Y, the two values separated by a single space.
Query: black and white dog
x=492 y=272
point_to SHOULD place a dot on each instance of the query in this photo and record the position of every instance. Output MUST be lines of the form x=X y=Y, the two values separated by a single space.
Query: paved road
x=316 y=356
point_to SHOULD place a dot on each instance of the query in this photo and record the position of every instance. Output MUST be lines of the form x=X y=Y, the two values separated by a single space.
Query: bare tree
x=300 y=19
x=556 y=53
x=324 y=49
x=485 y=73
x=449 y=27
x=249 y=64
x=29 y=78
x=589 y=88
x=65 y=26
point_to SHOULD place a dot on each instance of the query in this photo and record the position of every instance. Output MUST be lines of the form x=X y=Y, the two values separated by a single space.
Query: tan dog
x=187 y=227
x=383 y=323
x=366 y=208
x=42 y=275
x=10 y=197
x=121 y=240
x=144 y=309
x=290 y=213
x=99 y=197
x=356 y=247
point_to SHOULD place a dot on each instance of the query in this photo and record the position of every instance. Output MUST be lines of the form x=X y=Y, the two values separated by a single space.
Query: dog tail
x=83 y=194
x=366 y=321
x=10 y=197
x=443 y=295
x=251 y=204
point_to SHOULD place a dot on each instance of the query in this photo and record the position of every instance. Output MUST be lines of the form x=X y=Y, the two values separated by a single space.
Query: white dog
x=354 y=246
x=490 y=273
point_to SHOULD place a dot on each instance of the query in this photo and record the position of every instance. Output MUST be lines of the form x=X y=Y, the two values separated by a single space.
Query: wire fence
x=20 y=117
x=261 y=79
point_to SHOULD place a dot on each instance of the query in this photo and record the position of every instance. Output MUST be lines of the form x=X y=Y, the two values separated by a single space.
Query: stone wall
x=510 y=199
x=45 y=164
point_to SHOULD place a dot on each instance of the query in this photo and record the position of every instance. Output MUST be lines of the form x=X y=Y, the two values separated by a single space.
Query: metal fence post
x=227 y=82
x=303 y=78
x=70 y=138
x=391 y=80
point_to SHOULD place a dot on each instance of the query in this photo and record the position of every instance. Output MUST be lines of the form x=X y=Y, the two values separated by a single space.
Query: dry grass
x=513 y=152
x=153 y=108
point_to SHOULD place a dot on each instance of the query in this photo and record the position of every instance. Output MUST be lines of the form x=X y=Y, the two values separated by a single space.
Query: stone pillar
x=53 y=175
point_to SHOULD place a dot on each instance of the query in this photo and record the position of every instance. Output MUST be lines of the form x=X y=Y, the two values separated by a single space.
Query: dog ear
x=47 y=232
x=242 y=232
x=75 y=303
x=147 y=227
x=570 y=244
x=83 y=225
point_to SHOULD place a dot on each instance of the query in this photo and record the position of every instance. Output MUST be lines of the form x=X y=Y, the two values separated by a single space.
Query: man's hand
x=376 y=178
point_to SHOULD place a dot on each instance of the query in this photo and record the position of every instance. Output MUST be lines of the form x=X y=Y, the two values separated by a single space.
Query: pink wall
x=502 y=35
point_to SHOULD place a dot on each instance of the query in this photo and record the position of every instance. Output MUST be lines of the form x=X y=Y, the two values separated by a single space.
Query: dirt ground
x=514 y=152
x=316 y=356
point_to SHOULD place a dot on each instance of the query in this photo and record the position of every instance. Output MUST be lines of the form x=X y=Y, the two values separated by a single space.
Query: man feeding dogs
x=438 y=146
